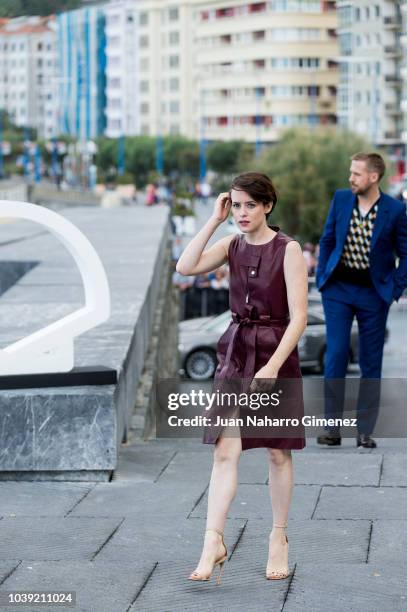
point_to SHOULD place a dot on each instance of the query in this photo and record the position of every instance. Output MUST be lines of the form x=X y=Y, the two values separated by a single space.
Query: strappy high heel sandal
x=196 y=576
x=278 y=574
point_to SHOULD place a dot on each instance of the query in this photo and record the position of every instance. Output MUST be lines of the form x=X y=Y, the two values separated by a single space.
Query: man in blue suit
x=357 y=276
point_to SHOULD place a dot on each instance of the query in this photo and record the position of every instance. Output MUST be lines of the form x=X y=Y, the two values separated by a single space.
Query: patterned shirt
x=354 y=266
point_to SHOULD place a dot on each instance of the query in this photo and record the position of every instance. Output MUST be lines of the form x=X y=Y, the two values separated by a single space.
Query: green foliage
x=307 y=166
x=181 y=155
x=228 y=157
x=17 y=8
x=140 y=158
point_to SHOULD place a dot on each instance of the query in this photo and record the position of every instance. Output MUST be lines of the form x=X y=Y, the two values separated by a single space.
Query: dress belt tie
x=252 y=323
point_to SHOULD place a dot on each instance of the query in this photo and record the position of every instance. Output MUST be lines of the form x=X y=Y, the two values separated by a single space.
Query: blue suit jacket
x=389 y=238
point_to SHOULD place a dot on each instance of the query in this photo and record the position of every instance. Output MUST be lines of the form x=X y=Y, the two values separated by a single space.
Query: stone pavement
x=131 y=543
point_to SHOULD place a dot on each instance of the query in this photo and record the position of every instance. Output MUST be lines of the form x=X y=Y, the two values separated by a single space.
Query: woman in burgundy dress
x=268 y=299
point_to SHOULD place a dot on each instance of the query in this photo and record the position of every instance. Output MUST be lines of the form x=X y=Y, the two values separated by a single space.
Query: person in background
x=308 y=252
x=358 y=278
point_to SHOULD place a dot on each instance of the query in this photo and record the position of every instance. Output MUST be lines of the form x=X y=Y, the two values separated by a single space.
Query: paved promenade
x=130 y=544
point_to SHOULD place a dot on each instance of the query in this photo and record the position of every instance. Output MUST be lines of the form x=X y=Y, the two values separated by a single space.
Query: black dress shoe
x=329 y=440
x=365 y=441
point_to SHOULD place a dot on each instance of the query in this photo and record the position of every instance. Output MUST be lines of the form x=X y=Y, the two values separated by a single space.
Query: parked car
x=198 y=340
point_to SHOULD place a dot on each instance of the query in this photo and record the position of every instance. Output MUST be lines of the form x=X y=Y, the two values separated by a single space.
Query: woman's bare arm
x=296 y=279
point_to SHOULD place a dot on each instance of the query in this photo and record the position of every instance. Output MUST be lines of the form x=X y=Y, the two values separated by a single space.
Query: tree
x=140 y=158
x=223 y=157
x=17 y=8
x=307 y=166
x=11 y=8
x=181 y=154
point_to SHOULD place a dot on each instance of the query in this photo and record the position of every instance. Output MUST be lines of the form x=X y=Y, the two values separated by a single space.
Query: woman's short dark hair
x=258 y=186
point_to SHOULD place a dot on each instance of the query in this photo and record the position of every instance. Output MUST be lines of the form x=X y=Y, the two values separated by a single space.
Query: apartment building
x=260 y=67
x=122 y=69
x=28 y=68
x=164 y=63
x=81 y=41
x=370 y=87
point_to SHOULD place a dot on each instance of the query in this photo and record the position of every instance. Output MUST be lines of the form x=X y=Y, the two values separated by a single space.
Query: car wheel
x=201 y=364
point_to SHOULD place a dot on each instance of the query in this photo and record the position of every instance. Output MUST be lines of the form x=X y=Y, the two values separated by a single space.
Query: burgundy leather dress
x=260 y=315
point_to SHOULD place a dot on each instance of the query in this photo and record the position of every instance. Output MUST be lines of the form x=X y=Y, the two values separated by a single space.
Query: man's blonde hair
x=374 y=162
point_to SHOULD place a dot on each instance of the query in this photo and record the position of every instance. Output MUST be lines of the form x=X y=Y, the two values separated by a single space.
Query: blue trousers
x=342 y=302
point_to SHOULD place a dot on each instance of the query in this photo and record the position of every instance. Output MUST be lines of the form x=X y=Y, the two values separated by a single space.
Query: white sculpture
x=51 y=349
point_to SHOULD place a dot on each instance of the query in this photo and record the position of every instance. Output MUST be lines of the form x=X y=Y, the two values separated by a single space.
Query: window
x=174 y=106
x=144 y=107
x=113 y=19
x=174 y=38
x=144 y=86
x=115 y=103
x=143 y=41
x=144 y=63
x=113 y=41
x=143 y=19
x=114 y=83
x=259 y=63
x=173 y=13
x=173 y=61
x=257 y=7
x=259 y=35
x=174 y=84
x=39 y=46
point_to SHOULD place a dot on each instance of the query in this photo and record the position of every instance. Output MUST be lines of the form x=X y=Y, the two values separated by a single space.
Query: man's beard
x=359 y=190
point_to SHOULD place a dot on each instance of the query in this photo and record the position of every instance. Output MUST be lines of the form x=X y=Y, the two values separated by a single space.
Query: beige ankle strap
x=216 y=530
x=280 y=526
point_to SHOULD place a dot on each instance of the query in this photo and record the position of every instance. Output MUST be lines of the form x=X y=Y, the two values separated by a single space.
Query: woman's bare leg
x=222 y=490
x=281 y=488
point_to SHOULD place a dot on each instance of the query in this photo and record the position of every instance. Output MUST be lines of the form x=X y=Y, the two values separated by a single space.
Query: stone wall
x=162 y=355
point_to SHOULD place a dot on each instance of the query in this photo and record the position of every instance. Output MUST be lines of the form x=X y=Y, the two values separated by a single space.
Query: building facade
x=122 y=73
x=370 y=88
x=165 y=61
x=260 y=67
x=28 y=69
x=82 y=72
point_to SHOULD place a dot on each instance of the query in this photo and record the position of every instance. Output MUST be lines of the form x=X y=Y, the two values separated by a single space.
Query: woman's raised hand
x=222 y=207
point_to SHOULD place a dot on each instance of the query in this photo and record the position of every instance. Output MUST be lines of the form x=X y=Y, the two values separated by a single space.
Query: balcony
x=393 y=80
x=392 y=136
x=392 y=51
x=391 y=23
x=392 y=108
